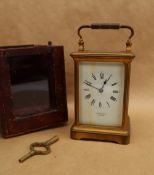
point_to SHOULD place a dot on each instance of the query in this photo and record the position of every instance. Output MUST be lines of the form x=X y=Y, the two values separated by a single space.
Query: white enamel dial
x=101 y=89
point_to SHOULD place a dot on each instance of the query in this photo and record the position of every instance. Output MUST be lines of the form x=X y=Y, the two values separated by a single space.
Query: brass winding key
x=34 y=145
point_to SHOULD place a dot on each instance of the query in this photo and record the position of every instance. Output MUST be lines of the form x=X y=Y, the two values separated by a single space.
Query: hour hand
x=90 y=84
x=107 y=80
x=101 y=89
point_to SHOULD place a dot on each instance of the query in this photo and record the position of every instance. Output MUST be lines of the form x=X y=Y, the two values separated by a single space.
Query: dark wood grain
x=17 y=64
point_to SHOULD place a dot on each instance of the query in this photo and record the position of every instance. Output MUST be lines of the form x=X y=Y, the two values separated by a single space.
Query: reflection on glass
x=29 y=85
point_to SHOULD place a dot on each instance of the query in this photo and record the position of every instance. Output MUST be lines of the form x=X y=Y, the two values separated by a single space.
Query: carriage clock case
x=32 y=88
x=102 y=91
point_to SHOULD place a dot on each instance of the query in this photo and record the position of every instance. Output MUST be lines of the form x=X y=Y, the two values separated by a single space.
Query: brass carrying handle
x=114 y=26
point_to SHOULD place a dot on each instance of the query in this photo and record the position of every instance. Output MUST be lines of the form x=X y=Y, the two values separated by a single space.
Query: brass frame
x=115 y=134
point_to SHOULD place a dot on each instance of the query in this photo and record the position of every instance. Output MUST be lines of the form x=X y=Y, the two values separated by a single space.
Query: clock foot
x=117 y=135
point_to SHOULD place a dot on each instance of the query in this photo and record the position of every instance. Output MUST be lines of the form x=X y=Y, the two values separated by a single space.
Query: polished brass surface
x=105 y=26
x=119 y=135
x=100 y=56
x=115 y=134
x=33 y=151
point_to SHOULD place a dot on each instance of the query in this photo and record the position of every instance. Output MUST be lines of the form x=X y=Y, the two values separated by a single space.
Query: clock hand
x=101 y=89
x=108 y=78
x=90 y=84
x=94 y=87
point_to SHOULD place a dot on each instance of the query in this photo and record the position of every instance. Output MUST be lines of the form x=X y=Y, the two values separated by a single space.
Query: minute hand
x=91 y=85
x=94 y=87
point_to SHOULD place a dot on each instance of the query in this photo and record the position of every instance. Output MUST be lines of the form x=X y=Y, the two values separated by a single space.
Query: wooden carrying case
x=23 y=68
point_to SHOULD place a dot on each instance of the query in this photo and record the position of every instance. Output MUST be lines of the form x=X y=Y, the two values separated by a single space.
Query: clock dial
x=101 y=88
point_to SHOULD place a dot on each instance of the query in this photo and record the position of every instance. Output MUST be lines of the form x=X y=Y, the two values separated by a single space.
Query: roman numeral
x=108 y=104
x=87 y=82
x=92 y=102
x=114 y=84
x=113 y=98
x=100 y=104
x=115 y=91
x=102 y=75
x=93 y=76
x=88 y=96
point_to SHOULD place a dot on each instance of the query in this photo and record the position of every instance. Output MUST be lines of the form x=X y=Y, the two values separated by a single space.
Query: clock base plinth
x=114 y=134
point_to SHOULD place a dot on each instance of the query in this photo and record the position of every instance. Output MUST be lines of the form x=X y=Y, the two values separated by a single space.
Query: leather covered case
x=32 y=88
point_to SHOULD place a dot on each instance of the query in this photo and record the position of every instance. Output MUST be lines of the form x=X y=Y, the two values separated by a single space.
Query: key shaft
x=27 y=156
x=51 y=141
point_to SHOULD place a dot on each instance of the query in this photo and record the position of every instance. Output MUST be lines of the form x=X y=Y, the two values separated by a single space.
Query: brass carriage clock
x=102 y=91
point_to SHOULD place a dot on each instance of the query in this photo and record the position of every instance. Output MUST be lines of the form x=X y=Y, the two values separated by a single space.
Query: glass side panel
x=30 y=85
